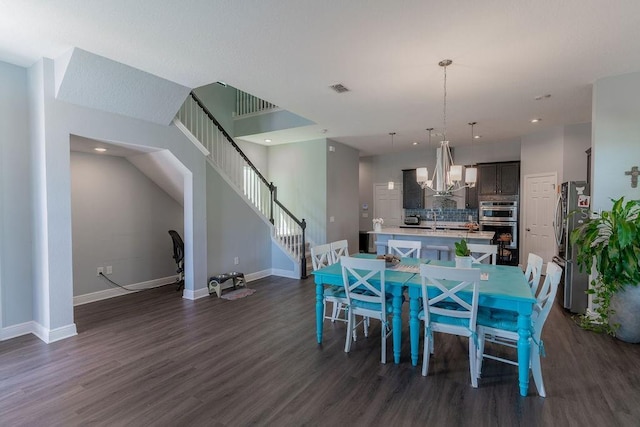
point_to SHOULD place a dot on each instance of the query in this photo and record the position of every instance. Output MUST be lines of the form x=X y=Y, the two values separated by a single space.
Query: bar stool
x=440 y=249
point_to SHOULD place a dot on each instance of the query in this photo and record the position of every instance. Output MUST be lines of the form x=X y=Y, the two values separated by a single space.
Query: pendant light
x=471 y=174
x=390 y=185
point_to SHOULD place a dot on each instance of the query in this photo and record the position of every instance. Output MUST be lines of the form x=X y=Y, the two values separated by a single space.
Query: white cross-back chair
x=503 y=329
x=483 y=253
x=405 y=248
x=321 y=256
x=339 y=249
x=534 y=271
x=364 y=283
x=446 y=310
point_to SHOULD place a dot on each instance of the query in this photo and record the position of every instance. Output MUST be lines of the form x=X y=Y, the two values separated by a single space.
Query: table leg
x=414 y=325
x=524 y=357
x=319 y=311
x=397 y=323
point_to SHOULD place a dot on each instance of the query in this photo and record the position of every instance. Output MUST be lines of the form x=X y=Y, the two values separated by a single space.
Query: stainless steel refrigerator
x=572 y=210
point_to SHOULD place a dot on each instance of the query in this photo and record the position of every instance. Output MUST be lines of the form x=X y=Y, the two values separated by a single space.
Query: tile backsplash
x=444 y=214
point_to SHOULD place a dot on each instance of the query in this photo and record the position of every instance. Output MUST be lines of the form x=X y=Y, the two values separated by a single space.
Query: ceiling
x=505 y=53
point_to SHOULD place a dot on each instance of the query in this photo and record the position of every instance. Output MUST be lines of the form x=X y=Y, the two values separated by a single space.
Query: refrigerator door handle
x=558 y=226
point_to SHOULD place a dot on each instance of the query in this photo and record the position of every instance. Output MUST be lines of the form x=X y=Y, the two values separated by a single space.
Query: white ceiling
x=504 y=52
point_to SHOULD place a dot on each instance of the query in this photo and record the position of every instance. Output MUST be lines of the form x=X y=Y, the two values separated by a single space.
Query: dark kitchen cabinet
x=471 y=197
x=412 y=193
x=499 y=178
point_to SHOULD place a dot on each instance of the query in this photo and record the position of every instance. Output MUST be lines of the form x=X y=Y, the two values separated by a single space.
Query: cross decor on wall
x=634 y=172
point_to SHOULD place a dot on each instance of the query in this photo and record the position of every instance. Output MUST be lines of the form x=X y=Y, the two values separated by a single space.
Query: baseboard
x=258 y=275
x=194 y=295
x=116 y=292
x=284 y=273
x=32 y=327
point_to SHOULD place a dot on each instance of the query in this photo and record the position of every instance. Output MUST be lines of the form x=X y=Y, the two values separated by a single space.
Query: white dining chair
x=446 y=311
x=364 y=284
x=534 y=271
x=483 y=253
x=339 y=249
x=405 y=248
x=502 y=329
x=321 y=256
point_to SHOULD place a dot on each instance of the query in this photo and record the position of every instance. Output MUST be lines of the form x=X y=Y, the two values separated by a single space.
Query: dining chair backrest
x=339 y=248
x=364 y=281
x=534 y=271
x=321 y=256
x=449 y=282
x=482 y=252
x=545 y=298
x=405 y=248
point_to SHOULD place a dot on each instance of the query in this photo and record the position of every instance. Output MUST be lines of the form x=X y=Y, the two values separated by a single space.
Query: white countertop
x=420 y=232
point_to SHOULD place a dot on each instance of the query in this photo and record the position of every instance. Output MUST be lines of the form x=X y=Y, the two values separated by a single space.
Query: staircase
x=199 y=125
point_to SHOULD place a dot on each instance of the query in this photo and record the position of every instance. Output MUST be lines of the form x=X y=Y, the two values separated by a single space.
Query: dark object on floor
x=216 y=282
x=178 y=256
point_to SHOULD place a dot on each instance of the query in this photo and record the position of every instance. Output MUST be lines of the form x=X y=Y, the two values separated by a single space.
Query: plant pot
x=463 y=261
x=626 y=305
x=377 y=227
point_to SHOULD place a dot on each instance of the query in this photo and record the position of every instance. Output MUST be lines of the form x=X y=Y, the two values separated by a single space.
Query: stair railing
x=225 y=154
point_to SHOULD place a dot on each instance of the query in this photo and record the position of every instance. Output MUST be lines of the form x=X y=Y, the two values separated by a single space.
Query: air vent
x=339 y=87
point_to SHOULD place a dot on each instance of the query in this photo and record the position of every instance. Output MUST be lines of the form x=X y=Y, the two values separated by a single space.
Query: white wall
x=616 y=138
x=16 y=238
x=543 y=152
x=577 y=140
x=120 y=219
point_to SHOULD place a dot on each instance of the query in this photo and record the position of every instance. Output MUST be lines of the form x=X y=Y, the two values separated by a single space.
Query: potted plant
x=610 y=243
x=463 y=254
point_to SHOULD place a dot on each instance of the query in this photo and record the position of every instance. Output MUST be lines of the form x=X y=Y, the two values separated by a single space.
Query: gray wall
x=543 y=152
x=120 y=218
x=234 y=230
x=616 y=138
x=299 y=170
x=577 y=140
x=16 y=238
x=221 y=102
x=342 y=194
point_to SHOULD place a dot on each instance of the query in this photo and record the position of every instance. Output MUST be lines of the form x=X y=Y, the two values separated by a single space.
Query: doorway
x=539 y=201
x=387 y=204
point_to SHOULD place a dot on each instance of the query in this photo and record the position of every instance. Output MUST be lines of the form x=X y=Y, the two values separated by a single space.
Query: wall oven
x=501 y=217
x=498 y=211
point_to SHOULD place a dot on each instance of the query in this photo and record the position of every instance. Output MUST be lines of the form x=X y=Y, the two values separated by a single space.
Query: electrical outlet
x=100 y=271
x=109 y=269
x=236 y=261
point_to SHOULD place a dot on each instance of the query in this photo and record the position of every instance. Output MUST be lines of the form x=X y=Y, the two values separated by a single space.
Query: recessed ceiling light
x=536 y=120
x=100 y=149
x=267 y=140
x=477 y=136
x=545 y=96
x=415 y=143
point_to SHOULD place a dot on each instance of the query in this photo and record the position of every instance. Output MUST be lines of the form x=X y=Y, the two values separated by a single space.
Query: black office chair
x=178 y=256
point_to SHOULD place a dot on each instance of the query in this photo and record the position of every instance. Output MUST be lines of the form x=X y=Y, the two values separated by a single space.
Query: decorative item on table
x=389 y=259
x=377 y=224
x=463 y=254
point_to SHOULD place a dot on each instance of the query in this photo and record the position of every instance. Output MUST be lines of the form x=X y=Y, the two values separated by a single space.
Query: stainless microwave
x=495 y=210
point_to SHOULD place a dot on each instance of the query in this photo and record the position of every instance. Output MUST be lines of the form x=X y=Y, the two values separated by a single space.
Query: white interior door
x=387 y=204
x=539 y=201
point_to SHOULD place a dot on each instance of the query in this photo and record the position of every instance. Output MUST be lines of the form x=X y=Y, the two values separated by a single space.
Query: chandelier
x=447 y=177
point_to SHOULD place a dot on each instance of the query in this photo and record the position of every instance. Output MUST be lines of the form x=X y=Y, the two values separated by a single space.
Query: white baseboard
x=116 y=292
x=285 y=273
x=32 y=327
x=258 y=275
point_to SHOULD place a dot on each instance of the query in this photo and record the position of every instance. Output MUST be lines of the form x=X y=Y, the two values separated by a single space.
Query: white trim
x=32 y=327
x=284 y=273
x=116 y=292
x=190 y=136
x=197 y=294
x=258 y=275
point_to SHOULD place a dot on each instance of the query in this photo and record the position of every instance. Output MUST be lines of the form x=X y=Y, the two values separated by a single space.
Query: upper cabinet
x=412 y=193
x=499 y=178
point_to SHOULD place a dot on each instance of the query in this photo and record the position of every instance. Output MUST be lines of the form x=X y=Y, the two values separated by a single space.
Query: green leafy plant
x=610 y=243
x=462 y=249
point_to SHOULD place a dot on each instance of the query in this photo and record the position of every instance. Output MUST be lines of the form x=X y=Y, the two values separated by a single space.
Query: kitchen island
x=429 y=238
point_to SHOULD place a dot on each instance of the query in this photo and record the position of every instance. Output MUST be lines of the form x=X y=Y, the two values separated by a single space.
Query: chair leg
x=426 y=352
x=383 y=338
x=334 y=313
x=365 y=320
x=480 y=354
x=536 y=368
x=473 y=355
x=350 y=331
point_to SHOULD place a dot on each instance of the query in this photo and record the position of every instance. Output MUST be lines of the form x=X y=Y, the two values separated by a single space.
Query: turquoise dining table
x=504 y=287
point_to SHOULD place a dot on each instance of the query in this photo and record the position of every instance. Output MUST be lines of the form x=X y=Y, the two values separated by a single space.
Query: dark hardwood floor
x=152 y=358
